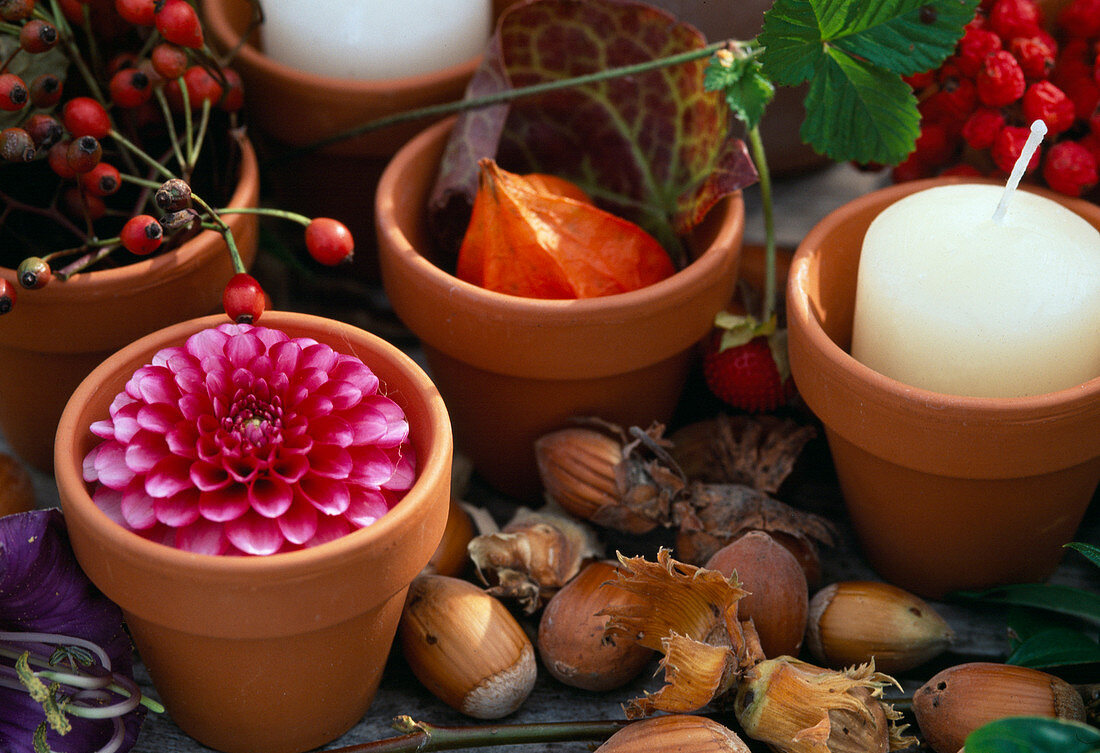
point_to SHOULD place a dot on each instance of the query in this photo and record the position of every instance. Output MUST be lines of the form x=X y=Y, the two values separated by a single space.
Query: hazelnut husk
x=679 y=733
x=852 y=622
x=958 y=700
x=572 y=641
x=465 y=647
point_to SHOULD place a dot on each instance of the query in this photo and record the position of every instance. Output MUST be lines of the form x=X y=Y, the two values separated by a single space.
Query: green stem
x=135 y=149
x=301 y=219
x=422 y=737
x=758 y=156
x=473 y=103
x=219 y=224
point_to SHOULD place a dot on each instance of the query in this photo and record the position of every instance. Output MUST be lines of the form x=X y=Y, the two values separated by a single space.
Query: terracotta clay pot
x=280 y=653
x=945 y=492
x=53 y=337
x=289 y=108
x=513 y=368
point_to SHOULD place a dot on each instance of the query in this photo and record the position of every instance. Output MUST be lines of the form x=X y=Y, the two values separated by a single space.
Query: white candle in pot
x=950 y=300
x=374 y=39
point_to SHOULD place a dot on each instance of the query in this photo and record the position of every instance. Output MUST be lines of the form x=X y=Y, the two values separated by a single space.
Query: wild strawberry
x=745 y=364
x=1081 y=18
x=1036 y=55
x=1070 y=168
x=1015 y=18
x=1046 y=102
x=1009 y=145
x=1000 y=80
x=982 y=127
x=973 y=47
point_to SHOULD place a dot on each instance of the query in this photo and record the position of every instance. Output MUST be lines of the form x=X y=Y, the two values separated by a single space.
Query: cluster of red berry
x=1008 y=70
x=134 y=68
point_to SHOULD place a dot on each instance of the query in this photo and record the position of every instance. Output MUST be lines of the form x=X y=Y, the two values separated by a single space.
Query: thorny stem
x=474 y=103
x=421 y=737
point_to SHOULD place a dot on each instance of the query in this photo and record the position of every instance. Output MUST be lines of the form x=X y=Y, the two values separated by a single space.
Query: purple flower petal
x=110 y=465
x=356 y=373
x=319 y=357
x=242 y=350
x=290 y=466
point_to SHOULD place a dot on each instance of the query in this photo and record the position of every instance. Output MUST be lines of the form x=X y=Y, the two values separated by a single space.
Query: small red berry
x=1081 y=18
x=920 y=81
x=982 y=127
x=33 y=273
x=16 y=145
x=1009 y=145
x=1070 y=168
x=1085 y=95
x=201 y=85
x=1015 y=18
x=141 y=235
x=84 y=153
x=1000 y=80
x=973 y=47
x=45 y=91
x=962 y=170
x=8 y=296
x=37 y=36
x=1036 y=55
x=58 y=159
x=101 y=180
x=13 y=92
x=45 y=130
x=130 y=88
x=234 y=91
x=178 y=22
x=934 y=145
x=911 y=168
x=121 y=61
x=243 y=299
x=746 y=376
x=82 y=204
x=137 y=12
x=329 y=241
x=169 y=60
x=952 y=104
x=84 y=116
x=1046 y=102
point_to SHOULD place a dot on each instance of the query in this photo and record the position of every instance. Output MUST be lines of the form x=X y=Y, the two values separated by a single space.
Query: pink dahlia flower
x=248 y=441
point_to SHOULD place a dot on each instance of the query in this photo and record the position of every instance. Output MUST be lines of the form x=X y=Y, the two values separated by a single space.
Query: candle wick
x=1038 y=130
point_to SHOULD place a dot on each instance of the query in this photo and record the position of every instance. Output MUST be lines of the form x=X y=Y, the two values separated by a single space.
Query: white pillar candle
x=950 y=300
x=374 y=39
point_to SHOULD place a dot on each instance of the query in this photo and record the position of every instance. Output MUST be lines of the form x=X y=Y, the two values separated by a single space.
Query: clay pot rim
x=870 y=384
x=551 y=312
x=433 y=468
x=228 y=38
x=154 y=271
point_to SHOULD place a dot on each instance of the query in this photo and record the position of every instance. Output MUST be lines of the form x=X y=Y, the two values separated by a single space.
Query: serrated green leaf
x=1033 y=735
x=1057 y=647
x=906 y=36
x=1076 y=602
x=855 y=111
x=1092 y=553
x=792 y=42
x=746 y=89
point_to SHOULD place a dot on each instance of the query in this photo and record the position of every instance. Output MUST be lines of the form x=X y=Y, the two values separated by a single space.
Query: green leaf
x=1033 y=735
x=792 y=42
x=1076 y=602
x=855 y=111
x=1056 y=647
x=1092 y=553
x=741 y=79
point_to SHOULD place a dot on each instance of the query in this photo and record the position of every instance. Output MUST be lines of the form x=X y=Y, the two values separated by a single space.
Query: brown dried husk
x=533 y=556
x=797 y=707
x=710 y=516
x=758 y=451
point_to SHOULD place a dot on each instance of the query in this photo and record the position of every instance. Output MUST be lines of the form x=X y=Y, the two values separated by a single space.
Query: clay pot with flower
x=127 y=185
x=257 y=499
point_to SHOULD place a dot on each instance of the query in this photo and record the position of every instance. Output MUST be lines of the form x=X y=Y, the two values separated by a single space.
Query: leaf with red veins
x=653 y=148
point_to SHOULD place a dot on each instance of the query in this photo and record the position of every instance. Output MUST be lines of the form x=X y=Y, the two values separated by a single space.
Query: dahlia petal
x=137 y=507
x=329 y=528
x=314 y=404
x=181 y=439
x=110 y=465
x=241 y=468
x=332 y=430
x=87 y=467
x=110 y=502
x=299 y=524
x=254 y=534
x=156 y=385
x=285 y=356
x=178 y=510
x=210 y=343
x=356 y=373
x=290 y=466
x=208 y=476
x=144 y=451
x=373 y=466
x=202 y=537
x=192 y=407
x=270 y=497
x=367 y=505
x=241 y=350
x=318 y=356
x=190 y=380
x=103 y=429
x=330 y=461
x=404 y=475
x=225 y=504
x=217 y=381
x=327 y=495
x=159 y=417
x=125 y=421
x=341 y=393
x=270 y=337
x=384 y=422
x=170 y=476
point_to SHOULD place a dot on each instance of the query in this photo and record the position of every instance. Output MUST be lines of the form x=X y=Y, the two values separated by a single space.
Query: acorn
x=962 y=698
x=852 y=622
x=465 y=647
x=571 y=639
x=679 y=733
x=16 y=487
x=778 y=597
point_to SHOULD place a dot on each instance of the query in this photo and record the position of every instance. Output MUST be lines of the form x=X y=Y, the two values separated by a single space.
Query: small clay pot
x=945 y=492
x=513 y=368
x=281 y=653
x=288 y=108
x=53 y=337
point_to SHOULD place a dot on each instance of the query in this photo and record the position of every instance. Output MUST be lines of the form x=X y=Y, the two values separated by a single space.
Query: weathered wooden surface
x=981 y=633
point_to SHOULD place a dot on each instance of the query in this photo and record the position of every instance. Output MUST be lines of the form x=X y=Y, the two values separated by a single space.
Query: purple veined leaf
x=45 y=597
x=654 y=148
